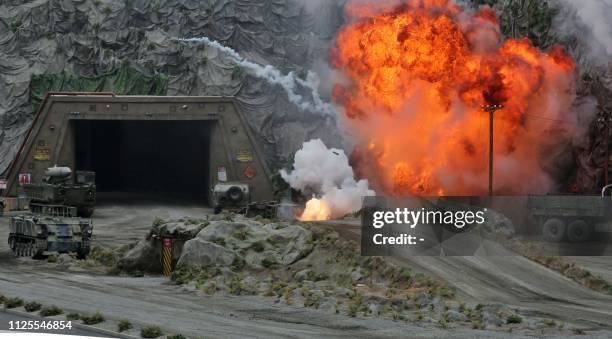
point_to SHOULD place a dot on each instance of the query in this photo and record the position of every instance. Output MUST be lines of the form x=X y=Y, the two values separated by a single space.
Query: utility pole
x=491 y=109
x=605 y=118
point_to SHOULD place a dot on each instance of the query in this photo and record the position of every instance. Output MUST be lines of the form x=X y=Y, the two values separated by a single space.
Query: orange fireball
x=316 y=210
x=418 y=75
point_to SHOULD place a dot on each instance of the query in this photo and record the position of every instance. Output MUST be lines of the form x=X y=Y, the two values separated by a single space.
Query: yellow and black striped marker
x=166 y=257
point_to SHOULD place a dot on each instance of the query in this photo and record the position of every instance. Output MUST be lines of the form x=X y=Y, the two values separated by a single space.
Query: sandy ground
x=154 y=300
x=514 y=280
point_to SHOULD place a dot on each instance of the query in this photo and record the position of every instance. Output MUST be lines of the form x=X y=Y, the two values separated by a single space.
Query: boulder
x=143 y=257
x=455 y=316
x=259 y=245
x=199 y=252
x=180 y=229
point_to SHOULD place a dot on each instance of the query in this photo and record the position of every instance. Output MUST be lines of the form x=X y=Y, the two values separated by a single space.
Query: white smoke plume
x=596 y=15
x=290 y=82
x=327 y=173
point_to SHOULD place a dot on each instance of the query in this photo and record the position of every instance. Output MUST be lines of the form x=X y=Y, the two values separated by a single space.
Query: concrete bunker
x=160 y=146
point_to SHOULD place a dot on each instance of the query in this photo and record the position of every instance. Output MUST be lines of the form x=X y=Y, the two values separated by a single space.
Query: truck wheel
x=579 y=231
x=234 y=194
x=553 y=230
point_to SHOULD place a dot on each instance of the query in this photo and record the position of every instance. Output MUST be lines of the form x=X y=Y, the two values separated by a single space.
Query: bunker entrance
x=159 y=159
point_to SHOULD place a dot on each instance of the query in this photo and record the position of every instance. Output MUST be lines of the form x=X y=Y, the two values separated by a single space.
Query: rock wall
x=92 y=37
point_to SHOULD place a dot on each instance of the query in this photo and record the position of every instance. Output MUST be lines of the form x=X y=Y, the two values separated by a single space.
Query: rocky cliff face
x=92 y=37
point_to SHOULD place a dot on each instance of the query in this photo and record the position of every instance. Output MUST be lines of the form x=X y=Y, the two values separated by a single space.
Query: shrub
x=236 y=286
x=124 y=325
x=242 y=234
x=93 y=319
x=151 y=331
x=13 y=302
x=514 y=319
x=238 y=263
x=269 y=263
x=258 y=246
x=218 y=240
x=104 y=256
x=50 y=311
x=176 y=336
x=32 y=306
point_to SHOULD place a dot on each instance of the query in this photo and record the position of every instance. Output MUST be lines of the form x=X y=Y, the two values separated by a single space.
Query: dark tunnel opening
x=161 y=159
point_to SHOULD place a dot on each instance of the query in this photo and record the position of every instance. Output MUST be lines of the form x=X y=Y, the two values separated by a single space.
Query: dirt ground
x=511 y=280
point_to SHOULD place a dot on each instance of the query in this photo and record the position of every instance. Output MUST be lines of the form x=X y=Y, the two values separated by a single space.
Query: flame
x=316 y=209
x=416 y=77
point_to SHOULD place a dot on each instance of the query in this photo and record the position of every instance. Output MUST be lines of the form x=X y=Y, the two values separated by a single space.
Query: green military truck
x=572 y=217
x=59 y=189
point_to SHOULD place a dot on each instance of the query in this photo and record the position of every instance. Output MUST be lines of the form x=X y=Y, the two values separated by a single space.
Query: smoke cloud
x=596 y=15
x=326 y=173
x=290 y=82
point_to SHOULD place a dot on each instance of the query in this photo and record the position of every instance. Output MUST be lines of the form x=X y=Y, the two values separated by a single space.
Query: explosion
x=417 y=74
x=316 y=209
x=325 y=172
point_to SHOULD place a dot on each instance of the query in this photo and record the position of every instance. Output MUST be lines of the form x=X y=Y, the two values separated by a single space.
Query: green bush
x=514 y=319
x=124 y=325
x=258 y=246
x=32 y=306
x=151 y=331
x=49 y=311
x=269 y=263
x=238 y=263
x=93 y=319
x=104 y=256
x=218 y=240
x=176 y=336
x=13 y=302
x=242 y=234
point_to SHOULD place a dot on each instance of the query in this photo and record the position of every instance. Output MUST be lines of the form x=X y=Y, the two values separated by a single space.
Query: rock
x=291 y=239
x=266 y=245
x=533 y=324
x=64 y=258
x=491 y=319
x=454 y=316
x=325 y=285
x=178 y=229
x=328 y=305
x=423 y=298
x=199 y=252
x=428 y=320
x=250 y=280
x=373 y=308
x=341 y=292
x=356 y=276
x=143 y=257
x=302 y=275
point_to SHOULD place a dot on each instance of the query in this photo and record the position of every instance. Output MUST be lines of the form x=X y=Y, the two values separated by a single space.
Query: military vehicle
x=32 y=235
x=572 y=217
x=59 y=189
x=230 y=195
